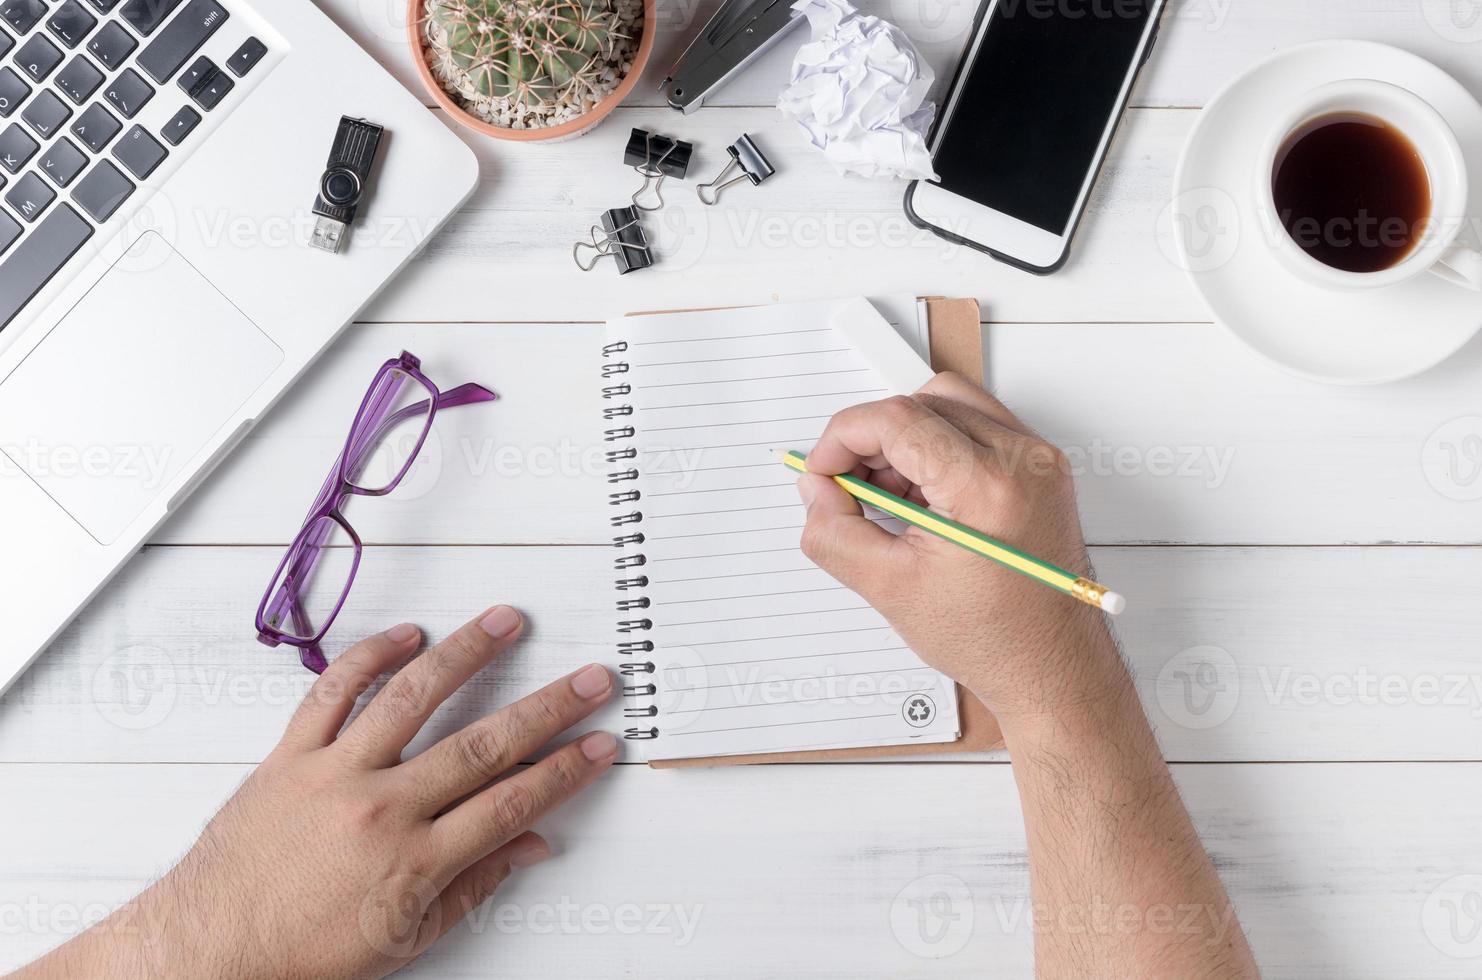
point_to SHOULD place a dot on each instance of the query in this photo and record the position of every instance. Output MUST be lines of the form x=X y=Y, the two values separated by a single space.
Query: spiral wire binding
x=638 y=698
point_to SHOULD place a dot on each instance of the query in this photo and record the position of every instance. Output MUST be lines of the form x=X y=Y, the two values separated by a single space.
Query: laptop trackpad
x=126 y=391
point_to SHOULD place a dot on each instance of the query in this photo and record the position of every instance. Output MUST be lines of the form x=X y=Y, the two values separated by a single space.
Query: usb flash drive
x=343 y=184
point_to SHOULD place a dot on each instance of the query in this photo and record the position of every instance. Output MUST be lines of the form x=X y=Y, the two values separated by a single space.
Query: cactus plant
x=533 y=52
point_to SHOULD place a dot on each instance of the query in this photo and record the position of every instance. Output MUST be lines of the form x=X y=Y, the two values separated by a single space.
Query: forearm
x=1121 y=885
x=150 y=938
x=121 y=945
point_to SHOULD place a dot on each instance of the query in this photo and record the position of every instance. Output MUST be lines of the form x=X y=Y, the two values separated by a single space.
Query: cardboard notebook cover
x=956 y=345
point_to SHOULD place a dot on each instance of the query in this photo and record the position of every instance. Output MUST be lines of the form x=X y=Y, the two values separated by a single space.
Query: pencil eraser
x=1113 y=603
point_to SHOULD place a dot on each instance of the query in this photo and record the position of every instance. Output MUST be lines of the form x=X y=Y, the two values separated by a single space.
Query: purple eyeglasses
x=316 y=573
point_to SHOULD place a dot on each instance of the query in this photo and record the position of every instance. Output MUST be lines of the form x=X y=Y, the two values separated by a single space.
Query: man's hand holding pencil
x=1024 y=649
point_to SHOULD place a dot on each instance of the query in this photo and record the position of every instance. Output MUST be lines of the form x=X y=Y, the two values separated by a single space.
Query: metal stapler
x=739 y=32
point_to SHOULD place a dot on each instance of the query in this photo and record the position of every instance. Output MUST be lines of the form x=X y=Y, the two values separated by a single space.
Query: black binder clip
x=754 y=167
x=655 y=157
x=619 y=235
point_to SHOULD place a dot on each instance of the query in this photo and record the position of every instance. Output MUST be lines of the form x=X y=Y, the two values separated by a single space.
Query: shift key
x=182 y=38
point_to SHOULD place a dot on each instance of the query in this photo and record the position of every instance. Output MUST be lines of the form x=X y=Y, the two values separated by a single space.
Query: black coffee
x=1351 y=191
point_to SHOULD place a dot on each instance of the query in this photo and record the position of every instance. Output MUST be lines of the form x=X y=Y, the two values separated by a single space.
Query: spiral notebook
x=731 y=642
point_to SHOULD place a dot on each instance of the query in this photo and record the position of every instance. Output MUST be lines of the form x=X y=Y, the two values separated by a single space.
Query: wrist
x=152 y=925
x=167 y=932
x=1075 y=724
x=1080 y=687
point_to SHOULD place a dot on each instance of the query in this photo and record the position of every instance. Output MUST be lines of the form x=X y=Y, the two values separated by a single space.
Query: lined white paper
x=755 y=648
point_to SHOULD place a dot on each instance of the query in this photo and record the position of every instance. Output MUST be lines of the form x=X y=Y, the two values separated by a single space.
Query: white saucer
x=1362 y=336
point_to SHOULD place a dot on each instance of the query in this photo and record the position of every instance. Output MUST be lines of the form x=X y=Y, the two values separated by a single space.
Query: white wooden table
x=1302 y=564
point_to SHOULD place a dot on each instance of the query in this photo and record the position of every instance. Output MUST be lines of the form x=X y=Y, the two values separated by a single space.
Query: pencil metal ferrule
x=1088 y=591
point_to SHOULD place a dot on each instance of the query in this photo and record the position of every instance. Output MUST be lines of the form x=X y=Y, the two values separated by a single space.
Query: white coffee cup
x=1436 y=249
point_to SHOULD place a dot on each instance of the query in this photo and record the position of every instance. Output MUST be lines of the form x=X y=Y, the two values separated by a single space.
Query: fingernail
x=401 y=634
x=598 y=746
x=805 y=490
x=591 y=681
x=528 y=854
x=500 y=622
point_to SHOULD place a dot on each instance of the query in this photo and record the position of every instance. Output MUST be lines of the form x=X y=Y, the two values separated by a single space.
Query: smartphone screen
x=1032 y=107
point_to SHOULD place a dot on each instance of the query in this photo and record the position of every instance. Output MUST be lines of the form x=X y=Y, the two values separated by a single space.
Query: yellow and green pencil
x=977 y=542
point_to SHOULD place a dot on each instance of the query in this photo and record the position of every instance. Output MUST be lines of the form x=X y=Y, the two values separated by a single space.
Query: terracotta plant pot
x=566 y=130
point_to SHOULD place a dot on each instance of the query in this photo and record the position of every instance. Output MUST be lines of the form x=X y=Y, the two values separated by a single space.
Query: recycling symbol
x=919 y=710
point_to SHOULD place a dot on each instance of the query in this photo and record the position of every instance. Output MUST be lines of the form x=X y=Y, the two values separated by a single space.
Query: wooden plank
x=804 y=234
x=1242 y=654
x=1202 y=44
x=812 y=871
x=1176 y=433
x=528 y=468
x=1261 y=457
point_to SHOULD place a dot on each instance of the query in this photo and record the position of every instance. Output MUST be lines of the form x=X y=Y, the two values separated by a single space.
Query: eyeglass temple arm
x=303 y=565
x=469 y=394
x=294 y=576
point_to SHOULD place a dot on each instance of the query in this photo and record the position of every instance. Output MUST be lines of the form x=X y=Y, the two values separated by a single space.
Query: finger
x=906 y=435
x=398 y=712
x=474 y=884
x=329 y=702
x=983 y=429
x=951 y=386
x=890 y=481
x=474 y=757
x=1010 y=452
x=839 y=539
x=498 y=814
x=887 y=479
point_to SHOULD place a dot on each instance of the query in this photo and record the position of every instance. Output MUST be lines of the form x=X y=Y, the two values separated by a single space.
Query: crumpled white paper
x=858 y=88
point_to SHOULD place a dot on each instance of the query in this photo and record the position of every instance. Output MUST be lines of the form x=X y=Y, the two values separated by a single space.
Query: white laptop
x=160 y=162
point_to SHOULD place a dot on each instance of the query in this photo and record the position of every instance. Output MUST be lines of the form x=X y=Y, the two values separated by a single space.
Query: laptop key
x=145 y=16
x=33 y=263
x=200 y=69
x=164 y=55
x=38 y=57
x=62 y=162
x=128 y=93
x=246 y=57
x=96 y=127
x=22 y=14
x=140 y=152
x=30 y=196
x=210 y=90
x=103 y=6
x=6 y=42
x=180 y=125
x=112 y=45
x=46 y=114
x=71 y=23
x=13 y=91
x=102 y=191
x=10 y=230
x=16 y=147
x=79 y=79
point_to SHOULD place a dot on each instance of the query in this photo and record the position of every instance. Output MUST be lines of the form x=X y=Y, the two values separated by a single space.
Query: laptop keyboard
x=73 y=76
